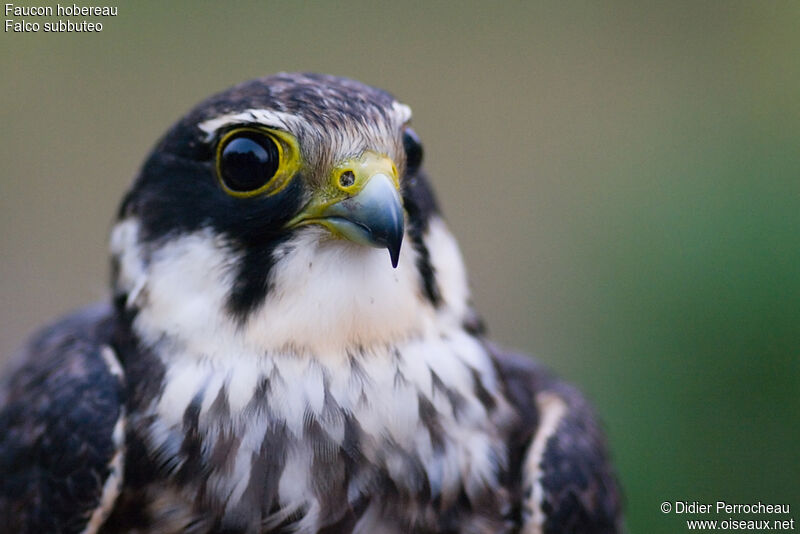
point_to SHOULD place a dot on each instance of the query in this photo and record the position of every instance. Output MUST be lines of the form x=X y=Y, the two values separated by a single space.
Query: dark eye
x=248 y=161
x=413 y=148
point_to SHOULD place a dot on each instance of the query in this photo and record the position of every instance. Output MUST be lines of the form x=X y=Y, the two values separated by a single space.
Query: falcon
x=290 y=346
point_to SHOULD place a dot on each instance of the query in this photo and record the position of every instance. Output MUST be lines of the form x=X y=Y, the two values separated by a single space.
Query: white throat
x=326 y=295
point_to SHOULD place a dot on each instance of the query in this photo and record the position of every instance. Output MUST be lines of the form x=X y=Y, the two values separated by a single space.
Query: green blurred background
x=624 y=180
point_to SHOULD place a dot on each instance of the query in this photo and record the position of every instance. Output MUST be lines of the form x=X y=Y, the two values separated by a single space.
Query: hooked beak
x=361 y=202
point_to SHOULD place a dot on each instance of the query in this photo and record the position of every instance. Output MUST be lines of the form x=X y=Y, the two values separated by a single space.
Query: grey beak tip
x=373 y=217
x=394 y=254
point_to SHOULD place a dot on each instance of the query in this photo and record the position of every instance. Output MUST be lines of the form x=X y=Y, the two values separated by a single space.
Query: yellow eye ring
x=253 y=161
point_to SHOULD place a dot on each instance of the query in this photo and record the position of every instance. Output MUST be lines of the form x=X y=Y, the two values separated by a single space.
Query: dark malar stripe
x=420 y=204
x=252 y=284
x=425 y=268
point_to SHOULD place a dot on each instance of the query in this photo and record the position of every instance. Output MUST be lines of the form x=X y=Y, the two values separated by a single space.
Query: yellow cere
x=363 y=167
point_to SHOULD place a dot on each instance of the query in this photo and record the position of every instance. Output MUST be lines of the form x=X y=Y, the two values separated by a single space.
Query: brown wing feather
x=566 y=478
x=62 y=429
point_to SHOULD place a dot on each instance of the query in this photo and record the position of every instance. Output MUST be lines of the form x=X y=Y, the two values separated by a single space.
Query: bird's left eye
x=252 y=162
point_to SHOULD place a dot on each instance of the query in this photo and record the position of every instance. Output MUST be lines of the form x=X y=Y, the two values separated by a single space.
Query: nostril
x=347 y=178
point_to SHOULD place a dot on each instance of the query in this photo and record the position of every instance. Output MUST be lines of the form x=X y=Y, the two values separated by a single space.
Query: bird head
x=278 y=199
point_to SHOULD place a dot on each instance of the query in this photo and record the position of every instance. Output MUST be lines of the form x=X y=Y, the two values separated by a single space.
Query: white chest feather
x=344 y=379
x=401 y=411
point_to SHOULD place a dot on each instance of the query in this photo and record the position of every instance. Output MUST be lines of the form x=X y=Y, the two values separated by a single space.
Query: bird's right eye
x=247 y=161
